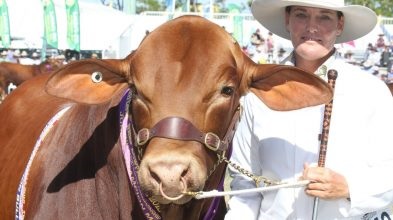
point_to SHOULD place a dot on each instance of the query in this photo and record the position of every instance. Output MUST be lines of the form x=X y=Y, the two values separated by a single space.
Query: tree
x=148 y=5
x=381 y=7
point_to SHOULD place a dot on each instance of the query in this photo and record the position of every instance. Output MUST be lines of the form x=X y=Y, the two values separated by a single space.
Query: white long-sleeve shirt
x=277 y=144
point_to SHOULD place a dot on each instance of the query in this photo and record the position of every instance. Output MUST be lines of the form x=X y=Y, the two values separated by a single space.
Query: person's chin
x=311 y=52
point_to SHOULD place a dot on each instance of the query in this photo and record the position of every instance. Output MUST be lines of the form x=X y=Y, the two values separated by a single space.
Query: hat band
x=322 y=3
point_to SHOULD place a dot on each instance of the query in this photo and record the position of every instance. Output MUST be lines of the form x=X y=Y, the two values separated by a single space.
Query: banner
x=73 y=24
x=238 y=28
x=50 y=24
x=5 y=37
x=235 y=10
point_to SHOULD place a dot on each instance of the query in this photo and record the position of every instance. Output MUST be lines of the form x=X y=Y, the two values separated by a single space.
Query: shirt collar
x=322 y=70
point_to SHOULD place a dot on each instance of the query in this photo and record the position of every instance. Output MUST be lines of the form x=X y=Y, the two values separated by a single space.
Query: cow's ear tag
x=96 y=77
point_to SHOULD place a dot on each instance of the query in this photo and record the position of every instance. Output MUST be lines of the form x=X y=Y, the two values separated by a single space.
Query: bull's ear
x=283 y=87
x=88 y=81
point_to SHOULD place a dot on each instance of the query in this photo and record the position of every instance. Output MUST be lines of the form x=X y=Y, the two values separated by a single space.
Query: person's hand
x=325 y=183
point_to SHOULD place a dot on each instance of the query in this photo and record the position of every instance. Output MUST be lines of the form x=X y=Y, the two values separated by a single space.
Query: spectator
x=36 y=58
x=13 y=56
x=25 y=59
x=3 y=56
x=374 y=57
x=256 y=38
x=281 y=55
x=380 y=43
x=348 y=56
x=270 y=42
x=110 y=53
x=368 y=51
x=385 y=56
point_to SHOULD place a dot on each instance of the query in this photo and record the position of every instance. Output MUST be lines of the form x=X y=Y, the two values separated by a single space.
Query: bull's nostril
x=155 y=177
x=184 y=173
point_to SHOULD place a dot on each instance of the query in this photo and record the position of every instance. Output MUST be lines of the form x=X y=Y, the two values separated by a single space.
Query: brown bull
x=92 y=162
x=17 y=73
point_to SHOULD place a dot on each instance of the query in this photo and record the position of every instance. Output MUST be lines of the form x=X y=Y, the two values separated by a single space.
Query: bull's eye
x=227 y=90
x=96 y=77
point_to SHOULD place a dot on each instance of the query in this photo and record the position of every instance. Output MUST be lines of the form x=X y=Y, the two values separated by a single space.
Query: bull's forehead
x=183 y=56
x=186 y=31
x=193 y=41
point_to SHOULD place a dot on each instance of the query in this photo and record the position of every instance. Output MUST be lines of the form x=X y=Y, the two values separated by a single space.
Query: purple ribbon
x=148 y=209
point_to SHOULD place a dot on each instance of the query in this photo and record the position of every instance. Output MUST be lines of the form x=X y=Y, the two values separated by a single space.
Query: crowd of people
x=33 y=56
x=15 y=56
x=263 y=49
x=377 y=58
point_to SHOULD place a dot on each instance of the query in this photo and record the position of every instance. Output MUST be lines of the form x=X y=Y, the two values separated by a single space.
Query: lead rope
x=269 y=185
x=256 y=179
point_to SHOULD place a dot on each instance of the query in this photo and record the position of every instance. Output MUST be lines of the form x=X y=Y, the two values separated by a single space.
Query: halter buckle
x=212 y=141
x=143 y=136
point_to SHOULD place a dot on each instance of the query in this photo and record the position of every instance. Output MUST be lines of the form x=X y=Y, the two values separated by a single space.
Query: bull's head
x=187 y=74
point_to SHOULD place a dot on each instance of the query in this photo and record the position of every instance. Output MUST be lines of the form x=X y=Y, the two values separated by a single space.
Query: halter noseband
x=181 y=129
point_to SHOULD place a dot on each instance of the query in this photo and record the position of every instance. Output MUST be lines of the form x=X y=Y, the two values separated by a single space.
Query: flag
x=351 y=43
x=50 y=24
x=73 y=24
x=4 y=25
x=237 y=22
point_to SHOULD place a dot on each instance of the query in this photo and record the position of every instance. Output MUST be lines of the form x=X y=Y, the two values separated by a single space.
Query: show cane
x=332 y=76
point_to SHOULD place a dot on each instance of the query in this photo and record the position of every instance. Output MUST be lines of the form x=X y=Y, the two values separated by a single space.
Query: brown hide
x=22 y=119
x=17 y=73
x=189 y=68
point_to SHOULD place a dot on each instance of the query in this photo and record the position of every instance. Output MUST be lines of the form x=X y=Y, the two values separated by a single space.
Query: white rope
x=216 y=193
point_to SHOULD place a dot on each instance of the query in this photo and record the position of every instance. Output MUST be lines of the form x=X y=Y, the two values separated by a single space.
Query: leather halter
x=181 y=129
x=174 y=128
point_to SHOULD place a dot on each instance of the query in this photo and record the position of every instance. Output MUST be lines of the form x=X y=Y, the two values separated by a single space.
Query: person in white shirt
x=356 y=181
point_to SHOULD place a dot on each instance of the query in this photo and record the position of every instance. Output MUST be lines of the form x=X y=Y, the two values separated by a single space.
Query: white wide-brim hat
x=358 y=20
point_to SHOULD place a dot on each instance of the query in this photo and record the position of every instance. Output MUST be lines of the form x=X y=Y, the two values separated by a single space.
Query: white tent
x=100 y=26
